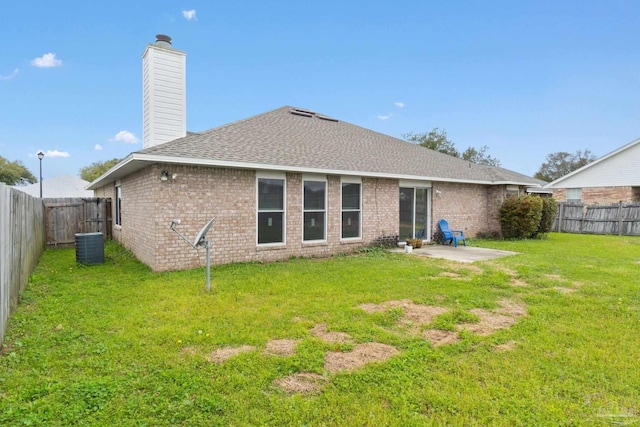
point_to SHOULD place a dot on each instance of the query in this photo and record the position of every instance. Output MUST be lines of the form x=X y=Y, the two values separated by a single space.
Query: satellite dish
x=203 y=232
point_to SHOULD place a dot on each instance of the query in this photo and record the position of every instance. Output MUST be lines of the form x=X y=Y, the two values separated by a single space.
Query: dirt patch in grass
x=189 y=351
x=320 y=331
x=489 y=322
x=511 y=308
x=223 y=354
x=553 y=276
x=438 y=337
x=509 y=271
x=492 y=321
x=450 y=274
x=301 y=383
x=518 y=283
x=361 y=355
x=413 y=314
x=563 y=290
x=285 y=347
x=508 y=346
x=417 y=314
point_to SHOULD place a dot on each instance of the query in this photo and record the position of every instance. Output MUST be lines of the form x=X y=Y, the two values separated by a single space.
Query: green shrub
x=549 y=210
x=520 y=216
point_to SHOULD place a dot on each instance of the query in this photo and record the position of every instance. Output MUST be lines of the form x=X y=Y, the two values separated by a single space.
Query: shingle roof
x=293 y=139
x=289 y=137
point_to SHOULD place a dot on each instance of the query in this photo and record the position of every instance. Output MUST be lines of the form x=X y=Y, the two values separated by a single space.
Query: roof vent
x=302 y=113
x=163 y=41
x=330 y=119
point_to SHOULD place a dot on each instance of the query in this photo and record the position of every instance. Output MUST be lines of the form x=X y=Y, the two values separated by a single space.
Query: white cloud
x=189 y=14
x=384 y=116
x=125 y=136
x=399 y=104
x=48 y=60
x=97 y=147
x=53 y=153
x=9 y=76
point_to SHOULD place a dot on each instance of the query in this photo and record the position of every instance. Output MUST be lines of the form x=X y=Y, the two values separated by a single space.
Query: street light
x=40 y=157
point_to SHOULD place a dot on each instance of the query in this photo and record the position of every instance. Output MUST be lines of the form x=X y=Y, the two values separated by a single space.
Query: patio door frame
x=414 y=186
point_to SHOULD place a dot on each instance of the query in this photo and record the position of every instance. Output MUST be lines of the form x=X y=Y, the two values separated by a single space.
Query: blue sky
x=524 y=78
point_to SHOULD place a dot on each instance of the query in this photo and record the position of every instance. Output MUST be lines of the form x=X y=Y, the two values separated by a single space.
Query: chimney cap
x=163 y=40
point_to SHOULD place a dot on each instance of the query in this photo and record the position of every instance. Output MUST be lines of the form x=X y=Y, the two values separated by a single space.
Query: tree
x=14 y=173
x=437 y=140
x=561 y=163
x=95 y=169
x=480 y=156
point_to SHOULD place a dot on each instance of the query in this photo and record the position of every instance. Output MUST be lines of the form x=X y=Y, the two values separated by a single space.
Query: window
x=574 y=195
x=513 y=190
x=118 y=204
x=270 y=210
x=314 y=221
x=351 y=210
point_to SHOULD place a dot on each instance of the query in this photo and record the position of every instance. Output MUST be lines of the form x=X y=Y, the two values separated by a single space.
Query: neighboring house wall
x=602 y=195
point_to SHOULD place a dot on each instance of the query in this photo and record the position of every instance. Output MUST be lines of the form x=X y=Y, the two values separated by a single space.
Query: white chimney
x=164 y=93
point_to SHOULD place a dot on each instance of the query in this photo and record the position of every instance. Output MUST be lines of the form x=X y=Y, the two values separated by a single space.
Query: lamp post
x=40 y=157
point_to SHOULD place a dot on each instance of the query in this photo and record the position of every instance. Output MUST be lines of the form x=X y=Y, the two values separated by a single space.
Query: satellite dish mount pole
x=200 y=240
x=207 y=247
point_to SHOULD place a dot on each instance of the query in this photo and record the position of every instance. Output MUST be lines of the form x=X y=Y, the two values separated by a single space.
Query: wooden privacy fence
x=67 y=216
x=22 y=241
x=621 y=218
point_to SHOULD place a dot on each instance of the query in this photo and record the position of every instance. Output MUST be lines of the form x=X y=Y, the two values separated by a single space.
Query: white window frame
x=574 y=192
x=316 y=178
x=351 y=180
x=513 y=190
x=118 y=197
x=272 y=175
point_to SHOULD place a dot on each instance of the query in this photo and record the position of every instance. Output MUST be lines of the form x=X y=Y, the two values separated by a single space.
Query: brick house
x=288 y=182
x=610 y=179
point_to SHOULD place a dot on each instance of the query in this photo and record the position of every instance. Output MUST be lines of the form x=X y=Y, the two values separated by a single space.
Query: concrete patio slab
x=460 y=254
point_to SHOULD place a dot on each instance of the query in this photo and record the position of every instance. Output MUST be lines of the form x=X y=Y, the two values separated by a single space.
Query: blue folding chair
x=451 y=236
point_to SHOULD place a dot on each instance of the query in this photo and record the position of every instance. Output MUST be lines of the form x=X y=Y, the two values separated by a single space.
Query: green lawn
x=118 y=345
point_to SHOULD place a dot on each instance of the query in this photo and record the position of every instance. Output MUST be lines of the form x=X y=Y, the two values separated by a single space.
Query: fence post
x=620 y=218
x=560 y=217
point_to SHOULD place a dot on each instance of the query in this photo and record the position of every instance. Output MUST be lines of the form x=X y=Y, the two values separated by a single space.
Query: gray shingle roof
x=287 y=138
x=282 y=138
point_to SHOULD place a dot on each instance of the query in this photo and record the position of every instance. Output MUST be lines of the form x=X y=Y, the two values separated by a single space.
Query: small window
x=315 y=202
x=118 y=204
x=574 y=195
x=513 y=190
x=270 y=210
x=351 y=207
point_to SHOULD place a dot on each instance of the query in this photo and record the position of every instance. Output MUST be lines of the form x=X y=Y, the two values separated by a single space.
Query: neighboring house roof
x=59 y=186
x=616 y=169
x=297 y=140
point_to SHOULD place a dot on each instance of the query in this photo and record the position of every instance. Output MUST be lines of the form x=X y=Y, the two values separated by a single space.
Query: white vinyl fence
x=22 y=241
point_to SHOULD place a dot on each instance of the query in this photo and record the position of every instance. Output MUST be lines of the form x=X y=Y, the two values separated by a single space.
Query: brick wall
x=469 y=207
x=199 y=193
x=602 y=195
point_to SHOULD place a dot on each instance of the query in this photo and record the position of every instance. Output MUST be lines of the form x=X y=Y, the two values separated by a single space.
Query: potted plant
x=415 y=243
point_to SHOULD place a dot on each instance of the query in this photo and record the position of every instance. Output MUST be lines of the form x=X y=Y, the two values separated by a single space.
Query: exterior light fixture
x=164 y=176
x=40 y=157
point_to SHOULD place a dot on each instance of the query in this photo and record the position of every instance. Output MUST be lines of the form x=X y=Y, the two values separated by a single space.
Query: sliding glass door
x=414 y=213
